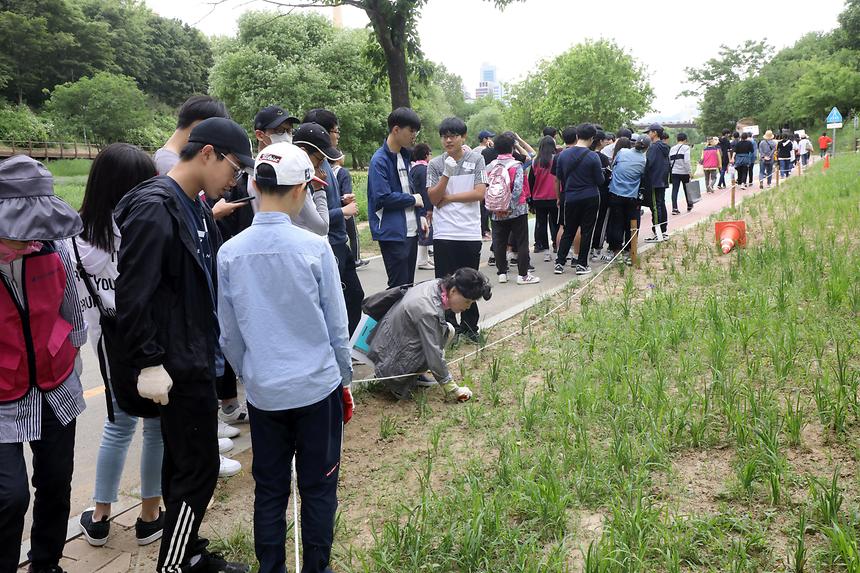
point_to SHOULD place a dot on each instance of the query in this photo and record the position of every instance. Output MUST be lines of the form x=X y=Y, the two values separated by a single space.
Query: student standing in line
x=322 y=149
x=656 y=177
x=40 y=387
x=766 y=150
x=824 y=144
x=628 y=171
x=347 y=195
x=513 y=221
x=298 y=374
x=725 y=144
x=116 y=170
x=601 y=141
x=485 y=141
x=456 y=182
x=785 y=154
x=580 y=174
x=680 y=168
x=545 y=188
x=395 y=211
x=744 y=151
x=418 y=181
x=712 y=163
x=166 y=306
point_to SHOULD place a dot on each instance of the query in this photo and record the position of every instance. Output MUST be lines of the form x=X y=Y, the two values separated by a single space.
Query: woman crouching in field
x=412 y=336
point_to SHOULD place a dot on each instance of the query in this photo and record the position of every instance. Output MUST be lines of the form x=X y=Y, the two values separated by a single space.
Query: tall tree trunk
x=390 y=30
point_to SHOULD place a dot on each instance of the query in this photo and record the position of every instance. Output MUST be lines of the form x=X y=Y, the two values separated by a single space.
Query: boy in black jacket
x=656 y=182
x=165 y=300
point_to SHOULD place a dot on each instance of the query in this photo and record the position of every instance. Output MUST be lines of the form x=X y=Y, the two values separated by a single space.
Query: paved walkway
x=508 y=300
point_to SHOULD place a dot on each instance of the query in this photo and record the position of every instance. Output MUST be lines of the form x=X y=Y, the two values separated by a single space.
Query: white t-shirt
x=102 y=268
x=458 y=221
x=805 y=146
x=409 y=212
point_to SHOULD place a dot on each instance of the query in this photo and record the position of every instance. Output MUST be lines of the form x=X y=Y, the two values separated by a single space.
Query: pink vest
x=35 y=347
x=544 y=189
x=711 y=158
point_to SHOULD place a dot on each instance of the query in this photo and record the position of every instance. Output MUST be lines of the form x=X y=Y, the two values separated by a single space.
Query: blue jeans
x=765 y=169
x=785 y=167
x=116 y=437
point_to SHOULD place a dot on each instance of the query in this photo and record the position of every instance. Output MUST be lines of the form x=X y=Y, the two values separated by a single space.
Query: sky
x=664 y=36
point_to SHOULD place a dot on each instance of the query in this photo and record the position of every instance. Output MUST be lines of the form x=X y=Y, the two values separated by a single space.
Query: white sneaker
x=503 y=278
x=227 y=431
x=528 y=279
x=595 y=255
x=224 y=445
x=238 y=416
x=228 y=467
x=547 y=257
x=427 y=266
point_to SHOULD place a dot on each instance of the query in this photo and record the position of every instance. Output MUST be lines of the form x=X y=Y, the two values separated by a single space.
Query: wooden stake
x=634 y=243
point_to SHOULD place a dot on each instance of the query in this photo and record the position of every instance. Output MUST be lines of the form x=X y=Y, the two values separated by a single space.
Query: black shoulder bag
x=120 y=378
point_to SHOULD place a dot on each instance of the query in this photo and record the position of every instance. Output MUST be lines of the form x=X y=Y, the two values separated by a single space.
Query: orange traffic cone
x=827 y=161
x=731 y=234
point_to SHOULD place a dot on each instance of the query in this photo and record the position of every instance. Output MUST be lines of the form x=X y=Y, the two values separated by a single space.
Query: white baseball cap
x=291 y=164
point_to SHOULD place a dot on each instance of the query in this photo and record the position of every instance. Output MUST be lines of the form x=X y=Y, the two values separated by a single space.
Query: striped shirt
x=21 y=421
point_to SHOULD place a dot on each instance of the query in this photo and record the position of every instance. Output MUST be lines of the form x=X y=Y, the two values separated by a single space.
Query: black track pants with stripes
x=189 y=426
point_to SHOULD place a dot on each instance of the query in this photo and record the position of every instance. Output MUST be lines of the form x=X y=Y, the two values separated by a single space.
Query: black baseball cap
x=271 y=117
x=316 y=136
x=485 y=134
x=224 y=135
x=654 y=127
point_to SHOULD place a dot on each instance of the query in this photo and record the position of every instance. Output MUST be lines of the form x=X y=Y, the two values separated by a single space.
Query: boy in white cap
x=284 y=329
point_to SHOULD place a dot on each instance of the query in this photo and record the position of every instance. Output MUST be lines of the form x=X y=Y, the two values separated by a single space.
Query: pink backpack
x=498 y=195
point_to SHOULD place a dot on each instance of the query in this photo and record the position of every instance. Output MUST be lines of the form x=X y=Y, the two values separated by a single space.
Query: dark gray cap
x=29 y=210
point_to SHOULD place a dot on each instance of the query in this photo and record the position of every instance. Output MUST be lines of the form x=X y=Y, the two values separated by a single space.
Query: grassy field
x=699 y=415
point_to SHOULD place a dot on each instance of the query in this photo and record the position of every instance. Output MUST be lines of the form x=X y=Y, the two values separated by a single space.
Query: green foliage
x=302 y=62
x=491 y=118
x=44 y=43
x=19 y=123
x=91 y=104
x=564 y=91
x=794 y=88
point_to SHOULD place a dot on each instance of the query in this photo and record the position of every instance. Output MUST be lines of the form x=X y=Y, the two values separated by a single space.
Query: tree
x=91 y=106
x=564 y=91
x=394 y=27
x=300 y=61
x=47 y=42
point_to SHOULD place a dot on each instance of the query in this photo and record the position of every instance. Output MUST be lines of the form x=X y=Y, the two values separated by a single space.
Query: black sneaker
x=214 y=563
x=95 y=532
x=581 y=270
x=676 y=212
x=492 y=261
x=361 y=263
x=148 y=531
x=48 y=569
x=558 y=269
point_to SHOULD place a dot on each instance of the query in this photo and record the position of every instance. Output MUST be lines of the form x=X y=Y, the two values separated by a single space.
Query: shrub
x=19 y=123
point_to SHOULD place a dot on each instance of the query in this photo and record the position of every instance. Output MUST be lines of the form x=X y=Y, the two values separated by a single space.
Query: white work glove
x=461 y=393
x=419 y=201
x=450 y=166
x=154 y=384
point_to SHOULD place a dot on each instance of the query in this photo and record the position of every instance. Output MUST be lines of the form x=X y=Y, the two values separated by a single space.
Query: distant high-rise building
x=488 y=73
x=488 y=86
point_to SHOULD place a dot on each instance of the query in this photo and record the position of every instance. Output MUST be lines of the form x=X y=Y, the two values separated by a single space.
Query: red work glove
x=348 y=405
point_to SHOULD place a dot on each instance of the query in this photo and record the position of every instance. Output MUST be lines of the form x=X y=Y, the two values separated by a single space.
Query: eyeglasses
x=237 y=170
x=282 y=130
x=335 y=131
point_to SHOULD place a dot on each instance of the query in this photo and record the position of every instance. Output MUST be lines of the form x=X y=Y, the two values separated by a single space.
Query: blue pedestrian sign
x=834 y=117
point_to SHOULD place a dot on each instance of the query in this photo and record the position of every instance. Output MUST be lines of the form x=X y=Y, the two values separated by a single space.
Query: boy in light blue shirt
x=284 y=329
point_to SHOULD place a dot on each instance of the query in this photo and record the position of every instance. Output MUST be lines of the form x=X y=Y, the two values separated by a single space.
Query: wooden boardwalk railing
x=52 y=149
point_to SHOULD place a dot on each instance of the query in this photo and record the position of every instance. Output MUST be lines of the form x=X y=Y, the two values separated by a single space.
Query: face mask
x=281 y=138
x=8 y=254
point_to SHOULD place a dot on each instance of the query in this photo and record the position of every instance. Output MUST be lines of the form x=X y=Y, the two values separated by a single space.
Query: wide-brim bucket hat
x=29 y=210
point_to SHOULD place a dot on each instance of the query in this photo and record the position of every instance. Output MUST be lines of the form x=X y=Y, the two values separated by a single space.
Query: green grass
x=594 y=410
x=70 y=190
x=69 y=167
